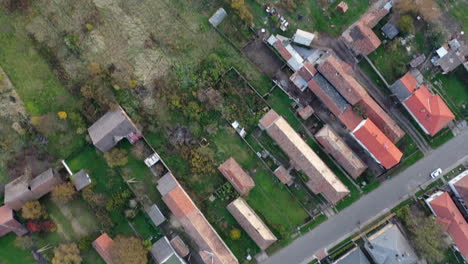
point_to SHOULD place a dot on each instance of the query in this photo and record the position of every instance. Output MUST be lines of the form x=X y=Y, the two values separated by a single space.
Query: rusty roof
x=234 y=173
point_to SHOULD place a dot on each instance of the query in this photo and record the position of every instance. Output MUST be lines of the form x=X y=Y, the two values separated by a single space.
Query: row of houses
x=332 y=81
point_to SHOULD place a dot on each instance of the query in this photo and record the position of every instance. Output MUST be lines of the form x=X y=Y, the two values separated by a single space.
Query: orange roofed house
x=102 y=245
x=451 y=219
x=429 y=110
x=212 y=248
x=377 y=144
x=321 y=179
x=234 y=173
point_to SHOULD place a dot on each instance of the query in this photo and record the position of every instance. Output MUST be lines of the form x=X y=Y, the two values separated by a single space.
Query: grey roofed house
x=24 y=189
x=390 y=30
x=453 y=57
x=80 y=179
x=389 y=246
x=417 y=61
x=164 y=253
x=217 y=17
x=155 y=214
x=111 y=128
x=355 y=256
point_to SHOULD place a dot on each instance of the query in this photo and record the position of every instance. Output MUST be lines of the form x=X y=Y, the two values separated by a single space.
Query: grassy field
x=35 y=82
x=10 y=254
x=366 y=67
x=314 y=16
x=454 y=90
x=390 y=60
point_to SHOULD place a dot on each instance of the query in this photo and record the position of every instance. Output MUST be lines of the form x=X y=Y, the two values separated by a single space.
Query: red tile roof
x=179 y=202
x=343 y=6
x=102 y=245
x=430 y=110
x=377 y=144
x=283 y=175
x=307 y=71
x=409 y=82
x=340 y=151
x=321 y=178
x=282 y=50
x=452 y=221
x=339 y=74
x=381 y=119
x=234 y=173
x=350 y=119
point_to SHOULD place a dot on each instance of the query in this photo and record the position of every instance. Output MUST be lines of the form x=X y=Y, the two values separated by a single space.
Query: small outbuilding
x=239 y=179
x=179 y=246
x=283 y=175
x=80 y=179
x=217 y=17
x=163 y=252
x=390 y=31
x=155 y=214
x=303 y=38
x=305 y=112
x=342 y=6
x=8 y=223
x=102 y=246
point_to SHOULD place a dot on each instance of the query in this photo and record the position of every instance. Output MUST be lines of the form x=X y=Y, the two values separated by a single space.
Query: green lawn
x=330 y=20
x=10 y=254
x=440 y=138
x=454 y=90
x=391 y=61
x=367 y=68
x=459 y=13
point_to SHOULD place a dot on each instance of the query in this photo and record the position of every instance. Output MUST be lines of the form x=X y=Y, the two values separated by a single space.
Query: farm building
x=452 y=55
x=8 y=222
x=210 y=245
x=25 y=189
x=303 y=75
x=111 y=128
x=428 y=110
x=340 y=151
x=321 y=178
x=287 y=52
x=239 y=179
x=451 y=219
x=102 y=246
x=163 y=252
x=251 y=223
x=380 y=147
x=179 y=246
x=303 y=38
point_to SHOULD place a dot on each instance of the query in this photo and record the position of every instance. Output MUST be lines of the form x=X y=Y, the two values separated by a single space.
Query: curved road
x=372 y=205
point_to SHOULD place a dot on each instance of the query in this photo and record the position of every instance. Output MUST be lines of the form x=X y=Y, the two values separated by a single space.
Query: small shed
x=305 y=112
x=217 y=17
x=80 y=179
x=417 y=61
x=342 y=6
x=151 y=160
x=303 y=37
x=155 y=214
x=441 y=52
x=163 y=252
x=390 y=31
x=179 y=246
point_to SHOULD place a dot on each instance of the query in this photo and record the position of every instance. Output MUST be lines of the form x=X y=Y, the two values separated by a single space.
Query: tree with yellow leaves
x=242 y=10
x=62 y=115
x=67 y=254
x=63 y=193
x=128 y=250
x=32 y=210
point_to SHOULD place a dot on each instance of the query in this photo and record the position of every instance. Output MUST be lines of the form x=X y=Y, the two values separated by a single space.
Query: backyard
x=454 y=89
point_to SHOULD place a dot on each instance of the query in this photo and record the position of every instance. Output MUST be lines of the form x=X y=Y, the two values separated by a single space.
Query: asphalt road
x=389 y=194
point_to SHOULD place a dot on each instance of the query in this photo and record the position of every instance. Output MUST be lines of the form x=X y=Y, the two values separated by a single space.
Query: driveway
x=389 y=194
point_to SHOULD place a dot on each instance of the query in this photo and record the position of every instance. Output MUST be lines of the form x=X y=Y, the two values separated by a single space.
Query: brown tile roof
x=282 y=50
x=179 y=246
x=338 y=73
x=377 y=144
x=452 y=220
x=381 y=119
x=102 y=245
x=429 y=110
x=193 y=221
x=251 y=223
x=268 y=119
x=282 y=174
x=350 y=119
x=307 y=71
x=371 y=19
x=8 y=223
x=306 y=112
x=321 y=178
x=340 y=151
x=461 y=185
x=234 y=173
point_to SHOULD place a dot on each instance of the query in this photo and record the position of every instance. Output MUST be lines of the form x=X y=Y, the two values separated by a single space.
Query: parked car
x=436 y=173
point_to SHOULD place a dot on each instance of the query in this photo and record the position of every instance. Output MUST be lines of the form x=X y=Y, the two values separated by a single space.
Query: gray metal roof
x=164 y=253
x=390 y=30
x=155 y=214
x=81 y=179
x=355 y=256
x=400 y=90
x=331 y=91
x=110 y=129
x=166 y=184
x=217 y=17
x=389 y=246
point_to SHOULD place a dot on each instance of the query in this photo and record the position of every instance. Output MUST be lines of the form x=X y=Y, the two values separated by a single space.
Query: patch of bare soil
x=37 y=160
